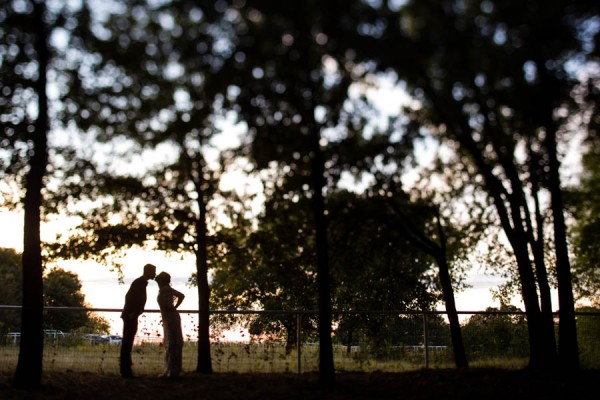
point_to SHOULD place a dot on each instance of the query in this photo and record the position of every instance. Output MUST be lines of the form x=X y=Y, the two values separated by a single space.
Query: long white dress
x=173 y=337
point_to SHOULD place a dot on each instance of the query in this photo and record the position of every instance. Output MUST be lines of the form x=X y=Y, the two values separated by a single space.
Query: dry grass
x=266 y=357
x=474 y=383
x=265 y=372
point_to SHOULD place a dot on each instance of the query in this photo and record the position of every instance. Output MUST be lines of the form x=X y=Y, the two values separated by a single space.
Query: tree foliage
x=500 y=88
x=497 y=333
x=583 y=201
x=61 y=289
x=12 y=288
x=272 y=266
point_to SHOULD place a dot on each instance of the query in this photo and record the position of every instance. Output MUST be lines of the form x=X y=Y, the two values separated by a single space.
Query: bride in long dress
x=168 y=301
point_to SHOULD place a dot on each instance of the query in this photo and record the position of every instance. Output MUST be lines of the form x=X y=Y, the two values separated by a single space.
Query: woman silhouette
x=168 y=301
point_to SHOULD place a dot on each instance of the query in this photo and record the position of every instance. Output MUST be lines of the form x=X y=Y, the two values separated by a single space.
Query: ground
x=486 y=384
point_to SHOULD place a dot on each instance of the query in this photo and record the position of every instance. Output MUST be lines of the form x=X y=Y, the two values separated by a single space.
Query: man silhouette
x=135 y=300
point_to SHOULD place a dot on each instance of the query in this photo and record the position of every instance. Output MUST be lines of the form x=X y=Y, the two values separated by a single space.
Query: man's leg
x=129 y=330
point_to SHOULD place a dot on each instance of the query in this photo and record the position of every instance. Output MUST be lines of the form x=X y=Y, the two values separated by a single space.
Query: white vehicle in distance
x=98 y=338
x=95 y=338
x=112 y=339
x=53 y=334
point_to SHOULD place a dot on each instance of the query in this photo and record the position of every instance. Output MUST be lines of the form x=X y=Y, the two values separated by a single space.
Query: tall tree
x=29 y=367
x=30 y=35
x=396 y=274
x=584 y=201
x=282 y=93
x=293 y=97
x=159 y=89
x=416 y=218
x=482 y=74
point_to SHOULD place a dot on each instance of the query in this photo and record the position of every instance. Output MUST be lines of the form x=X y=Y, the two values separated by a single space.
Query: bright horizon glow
x=103 y=290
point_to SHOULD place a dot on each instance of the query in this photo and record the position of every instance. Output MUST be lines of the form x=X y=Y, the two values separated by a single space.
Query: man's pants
x=130 y=326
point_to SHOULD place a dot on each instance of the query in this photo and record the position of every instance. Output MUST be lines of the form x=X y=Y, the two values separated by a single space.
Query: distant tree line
x=61 y=289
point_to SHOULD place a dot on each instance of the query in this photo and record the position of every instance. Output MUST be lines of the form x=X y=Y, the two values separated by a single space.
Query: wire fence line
x=380 y=340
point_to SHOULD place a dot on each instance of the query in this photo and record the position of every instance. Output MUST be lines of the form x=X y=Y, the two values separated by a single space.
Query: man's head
x=149 y=271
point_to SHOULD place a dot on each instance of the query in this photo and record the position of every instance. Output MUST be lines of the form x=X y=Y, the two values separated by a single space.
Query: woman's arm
x=180 y=296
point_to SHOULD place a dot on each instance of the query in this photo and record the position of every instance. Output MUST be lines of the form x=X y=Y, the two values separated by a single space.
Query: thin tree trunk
x=291 y=335
x=29 y=366
x=326 y=368
x=539 y=356
x=349 y=341
x=460 y=357
x=438 y=252
x=568 y=348
x=195 y=169
x=204 y=364
x=537 y=247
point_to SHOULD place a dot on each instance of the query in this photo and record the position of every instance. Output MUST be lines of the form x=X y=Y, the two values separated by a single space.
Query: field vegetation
x=267 y=357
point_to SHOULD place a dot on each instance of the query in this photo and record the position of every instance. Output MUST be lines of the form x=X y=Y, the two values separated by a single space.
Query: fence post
x=299 y=340
x=426 y=339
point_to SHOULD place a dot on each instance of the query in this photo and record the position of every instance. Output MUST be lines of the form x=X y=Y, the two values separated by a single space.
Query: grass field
x=264 y=371
x=267 y=357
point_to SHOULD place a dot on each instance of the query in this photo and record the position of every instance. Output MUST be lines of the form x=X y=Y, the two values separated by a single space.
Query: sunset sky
x=102 y=289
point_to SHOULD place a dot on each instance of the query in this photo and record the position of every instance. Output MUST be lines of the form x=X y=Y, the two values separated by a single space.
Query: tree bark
x=29 y=366
x=537 y=247
x=204 y=364
x=458 y=346
x=568 y=348
x=438 y=252
x=326 y=368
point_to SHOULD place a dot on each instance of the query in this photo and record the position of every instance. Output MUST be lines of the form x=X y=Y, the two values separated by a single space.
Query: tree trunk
x=568 y=348
x=326 y=368
x=291 y=335
x=204 y=364
x=541 y=354
x=537 y=246
x=458 y=346
x=540 y=357
x=349 y=341
x=29 y=366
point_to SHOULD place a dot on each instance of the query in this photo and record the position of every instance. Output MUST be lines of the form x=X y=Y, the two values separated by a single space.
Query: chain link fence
x=287 y=341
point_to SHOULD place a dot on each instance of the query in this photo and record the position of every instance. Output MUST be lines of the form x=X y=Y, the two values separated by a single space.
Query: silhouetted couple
x=168 y=301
